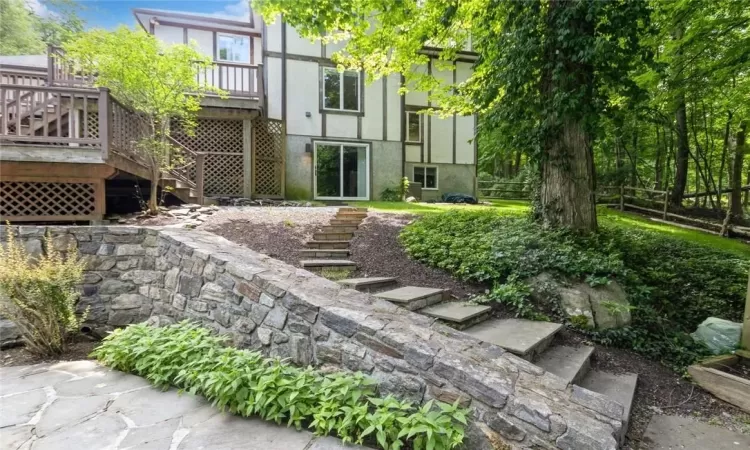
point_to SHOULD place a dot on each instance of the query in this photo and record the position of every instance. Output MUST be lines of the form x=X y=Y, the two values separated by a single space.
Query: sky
x=111 y=13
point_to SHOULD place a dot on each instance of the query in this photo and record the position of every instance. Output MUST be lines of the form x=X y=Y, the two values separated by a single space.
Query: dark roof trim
x=178 y=15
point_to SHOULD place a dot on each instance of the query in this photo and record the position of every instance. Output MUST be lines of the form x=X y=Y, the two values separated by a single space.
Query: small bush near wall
x=38 y=292
x=673 y=284
x=245 y=383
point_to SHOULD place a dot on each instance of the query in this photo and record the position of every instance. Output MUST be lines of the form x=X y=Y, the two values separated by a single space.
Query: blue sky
x=111 y=13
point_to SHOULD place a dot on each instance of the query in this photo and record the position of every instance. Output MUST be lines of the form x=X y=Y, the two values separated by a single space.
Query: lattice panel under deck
x=35 y=199
x=224 y=174
x=268 y=145
x=212 y=136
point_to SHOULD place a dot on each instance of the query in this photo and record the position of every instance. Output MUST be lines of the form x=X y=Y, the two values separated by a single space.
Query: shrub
x=672 y=284
x=41 y=294
x=245 y=383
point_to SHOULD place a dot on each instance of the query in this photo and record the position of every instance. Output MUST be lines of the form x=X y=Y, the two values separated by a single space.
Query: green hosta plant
x=246 y=383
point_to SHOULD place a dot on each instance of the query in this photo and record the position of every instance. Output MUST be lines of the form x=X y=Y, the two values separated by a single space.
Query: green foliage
x=24 y=32
x=673 y=284
x=390 y=195
x=245 y=383
x=18 y=33
x=40 y=294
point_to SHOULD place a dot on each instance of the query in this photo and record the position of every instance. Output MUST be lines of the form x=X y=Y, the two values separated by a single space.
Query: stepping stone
x=674 y=432
x=525 y=338
x=325 y=253
x=328 y=264
x=413 y=297
x=569 y=363
x=339 y=228
x=369 y=284
x=327 y=244
x=325 y=236
x=620 y=388
x=458 y=314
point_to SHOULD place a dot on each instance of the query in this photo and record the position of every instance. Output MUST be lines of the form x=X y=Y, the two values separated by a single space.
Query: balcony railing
x=240 y=80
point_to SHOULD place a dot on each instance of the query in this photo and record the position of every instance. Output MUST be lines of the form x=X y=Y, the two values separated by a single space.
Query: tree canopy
x=23 y=32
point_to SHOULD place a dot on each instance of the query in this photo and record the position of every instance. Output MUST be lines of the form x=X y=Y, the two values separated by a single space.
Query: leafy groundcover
x=243 y=382
x=672 y=284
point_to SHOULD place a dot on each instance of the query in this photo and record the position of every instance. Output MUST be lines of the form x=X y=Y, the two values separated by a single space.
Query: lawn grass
x=506 y=206
x=607 y=217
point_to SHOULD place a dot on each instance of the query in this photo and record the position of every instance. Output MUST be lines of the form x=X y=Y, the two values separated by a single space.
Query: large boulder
x=601 y=307
x=10 y=335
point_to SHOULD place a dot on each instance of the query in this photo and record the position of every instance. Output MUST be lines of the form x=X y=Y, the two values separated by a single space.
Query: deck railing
x=62 y=73
x=22 y=78
x=242 y=80
x=53 y=115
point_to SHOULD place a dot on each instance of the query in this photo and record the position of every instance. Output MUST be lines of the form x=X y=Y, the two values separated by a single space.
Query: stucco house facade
x=292 y=126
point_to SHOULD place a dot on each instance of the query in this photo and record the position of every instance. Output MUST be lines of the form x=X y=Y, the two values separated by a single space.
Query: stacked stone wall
x=134 y=274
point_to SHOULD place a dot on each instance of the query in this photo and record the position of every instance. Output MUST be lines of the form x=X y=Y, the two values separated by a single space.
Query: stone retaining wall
x=137 y=273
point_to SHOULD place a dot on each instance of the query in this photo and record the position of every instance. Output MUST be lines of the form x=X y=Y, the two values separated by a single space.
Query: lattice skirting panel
x=269 y=149
x=24 y=199
x=224 y=174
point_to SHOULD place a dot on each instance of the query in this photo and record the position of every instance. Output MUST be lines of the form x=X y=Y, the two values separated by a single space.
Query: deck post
x=261 y=90
x=105 y=120
x=50 y=66
x=200 y=164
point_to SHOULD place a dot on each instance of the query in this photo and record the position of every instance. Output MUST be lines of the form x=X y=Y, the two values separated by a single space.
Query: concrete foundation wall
x=458 y=178
x=264 y=304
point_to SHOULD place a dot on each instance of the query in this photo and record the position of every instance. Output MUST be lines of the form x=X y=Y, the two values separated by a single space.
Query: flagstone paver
x=81 y=404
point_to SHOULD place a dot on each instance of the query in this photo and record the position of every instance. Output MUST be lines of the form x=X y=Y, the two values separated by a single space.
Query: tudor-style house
x=292 y=126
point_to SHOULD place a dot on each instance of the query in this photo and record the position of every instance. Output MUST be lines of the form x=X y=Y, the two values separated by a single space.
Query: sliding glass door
x=342 y=171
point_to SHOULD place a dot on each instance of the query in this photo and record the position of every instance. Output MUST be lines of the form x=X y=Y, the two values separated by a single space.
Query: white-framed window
x=233 y=48
x=414 y=127
x=427 y=175
x=341 y=90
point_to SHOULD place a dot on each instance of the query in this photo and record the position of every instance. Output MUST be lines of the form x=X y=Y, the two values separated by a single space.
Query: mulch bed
x=377 y=252
x=278 y=241
x=77 y=350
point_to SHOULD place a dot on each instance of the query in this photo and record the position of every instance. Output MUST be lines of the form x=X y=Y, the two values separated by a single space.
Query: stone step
x=352 y=209
x=325 y=253
x=569 y=363
x=458 y=314
x=346 y=222
x=620 y=388
x=413 y=297
x=351 y=215
x=338 y=228
x=327 y=244
x=325 y=236
x=319 y=264
x=369 y=284
x=525 y=338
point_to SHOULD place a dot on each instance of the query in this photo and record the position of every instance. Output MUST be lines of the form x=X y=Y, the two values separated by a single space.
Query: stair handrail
x=182 y=172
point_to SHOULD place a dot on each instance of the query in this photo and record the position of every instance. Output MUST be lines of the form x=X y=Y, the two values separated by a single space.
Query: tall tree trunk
x=659 y=164
x=735 y=199
x=567 y=165
x=518 y=162
x=682 y=153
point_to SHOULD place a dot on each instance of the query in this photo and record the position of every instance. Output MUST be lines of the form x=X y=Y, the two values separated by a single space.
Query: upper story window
x=341 y=90
x=233 y=48
x=413 y=127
